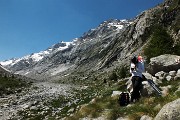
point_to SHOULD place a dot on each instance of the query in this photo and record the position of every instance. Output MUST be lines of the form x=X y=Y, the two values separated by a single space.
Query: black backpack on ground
x=123 y=99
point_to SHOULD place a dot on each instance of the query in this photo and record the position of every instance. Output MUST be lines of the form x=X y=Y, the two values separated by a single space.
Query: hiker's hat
x=140 y=59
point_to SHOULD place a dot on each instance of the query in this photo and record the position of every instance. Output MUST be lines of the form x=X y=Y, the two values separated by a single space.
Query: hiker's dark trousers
x=137 y=85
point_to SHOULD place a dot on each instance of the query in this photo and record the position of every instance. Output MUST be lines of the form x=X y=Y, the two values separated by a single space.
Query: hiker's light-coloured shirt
x=136 y=70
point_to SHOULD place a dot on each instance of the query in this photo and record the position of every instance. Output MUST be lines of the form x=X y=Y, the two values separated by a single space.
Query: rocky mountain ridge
x=4 y=70
x=65 y=55
x=29 y=60
x=8 y=74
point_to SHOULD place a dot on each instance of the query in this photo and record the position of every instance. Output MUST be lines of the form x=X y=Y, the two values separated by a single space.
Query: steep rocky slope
x=130 y=41
x=4 y=70
x=63 y=56
x=111 y=44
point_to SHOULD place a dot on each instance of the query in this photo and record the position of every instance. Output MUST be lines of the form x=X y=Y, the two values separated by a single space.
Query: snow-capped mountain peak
x=35 y=57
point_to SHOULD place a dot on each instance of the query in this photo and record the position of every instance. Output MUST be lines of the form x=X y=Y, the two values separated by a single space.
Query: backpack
x=123 y=99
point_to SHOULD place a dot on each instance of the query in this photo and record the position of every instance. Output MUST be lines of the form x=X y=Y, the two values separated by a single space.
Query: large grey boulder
x=177 y=77
x=178 y=73
x=164 y=63
x=169 y=78
x=170 y=111
x=172 y=73
x=161 y=75
x=146 y=117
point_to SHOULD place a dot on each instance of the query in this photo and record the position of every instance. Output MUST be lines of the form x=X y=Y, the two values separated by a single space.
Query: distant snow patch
x=119 y=26
x=4 y=63
x=65 y=47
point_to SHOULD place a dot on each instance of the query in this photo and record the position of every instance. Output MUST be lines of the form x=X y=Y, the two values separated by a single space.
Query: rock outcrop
x=164 y=63
x=170 y=111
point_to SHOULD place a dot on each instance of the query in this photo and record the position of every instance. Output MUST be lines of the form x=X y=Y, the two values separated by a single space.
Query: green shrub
x=160 y=43
x=113 y=76
x=177 y=49
x=8 y=85
x=120 y=72
x=123 y=72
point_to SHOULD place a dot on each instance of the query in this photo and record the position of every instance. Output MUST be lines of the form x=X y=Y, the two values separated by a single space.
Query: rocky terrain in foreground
x=32 y=98
x=151 y=106
x=46 y=100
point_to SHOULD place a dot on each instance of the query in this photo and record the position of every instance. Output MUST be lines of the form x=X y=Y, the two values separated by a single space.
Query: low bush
x=160 y=43
x=9 y=85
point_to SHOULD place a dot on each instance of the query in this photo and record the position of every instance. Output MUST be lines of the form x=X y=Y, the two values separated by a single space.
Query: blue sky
x=28 y=26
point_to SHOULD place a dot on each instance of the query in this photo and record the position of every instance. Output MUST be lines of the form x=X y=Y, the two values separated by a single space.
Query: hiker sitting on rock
x=136 y=69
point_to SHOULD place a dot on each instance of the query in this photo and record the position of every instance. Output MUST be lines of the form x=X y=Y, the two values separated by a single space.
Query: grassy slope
x=108 y=106
x=10 y=85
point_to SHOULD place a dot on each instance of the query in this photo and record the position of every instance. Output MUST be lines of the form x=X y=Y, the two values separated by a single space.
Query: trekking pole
x=154 y=87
